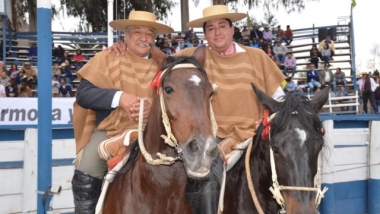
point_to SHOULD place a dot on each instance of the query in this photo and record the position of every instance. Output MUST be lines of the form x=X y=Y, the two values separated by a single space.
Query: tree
x=375 y=51
x=93 y=13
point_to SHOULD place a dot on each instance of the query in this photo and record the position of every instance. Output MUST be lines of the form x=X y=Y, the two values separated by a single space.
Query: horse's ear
x=158 y=56
x=200 y=54
x=320 y=99
x=266 y=101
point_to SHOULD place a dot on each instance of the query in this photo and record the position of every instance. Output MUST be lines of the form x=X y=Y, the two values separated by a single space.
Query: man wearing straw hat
x=108 y=101
x=232 y=67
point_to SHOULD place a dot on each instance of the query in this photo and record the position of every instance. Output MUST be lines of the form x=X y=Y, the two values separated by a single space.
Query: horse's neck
x=261 y=174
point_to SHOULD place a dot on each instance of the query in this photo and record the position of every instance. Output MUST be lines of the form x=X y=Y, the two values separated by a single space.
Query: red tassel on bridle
x=156 y=81
x=267 y=125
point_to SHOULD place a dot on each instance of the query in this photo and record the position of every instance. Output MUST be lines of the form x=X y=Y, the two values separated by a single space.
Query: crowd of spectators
x=22 y=81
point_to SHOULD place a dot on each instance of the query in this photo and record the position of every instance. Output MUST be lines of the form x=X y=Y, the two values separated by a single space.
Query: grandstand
x=92 y=43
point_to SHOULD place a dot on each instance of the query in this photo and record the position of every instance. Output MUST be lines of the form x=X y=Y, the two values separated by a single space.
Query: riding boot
x=203 y=195
x=86 y=191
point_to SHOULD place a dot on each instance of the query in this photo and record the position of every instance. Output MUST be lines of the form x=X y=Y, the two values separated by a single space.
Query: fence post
x=328 y=168
x=29 y=189
x=313 y=38
x=44 y=39
x=374 y=168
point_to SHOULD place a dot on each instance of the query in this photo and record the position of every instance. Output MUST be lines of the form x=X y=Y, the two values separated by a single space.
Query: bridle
x=169 y=137
x=276 y=187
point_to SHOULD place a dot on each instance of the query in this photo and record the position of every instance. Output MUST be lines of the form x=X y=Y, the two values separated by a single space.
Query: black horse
x=296 y=138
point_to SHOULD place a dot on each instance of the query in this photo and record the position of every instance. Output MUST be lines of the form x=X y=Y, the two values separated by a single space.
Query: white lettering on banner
x=24 y=111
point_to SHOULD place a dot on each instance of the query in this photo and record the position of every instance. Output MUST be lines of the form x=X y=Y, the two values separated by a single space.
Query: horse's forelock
x=305 y=114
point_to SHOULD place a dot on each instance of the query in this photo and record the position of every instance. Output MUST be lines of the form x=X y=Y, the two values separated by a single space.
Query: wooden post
x=214 y=2
x=29 y=181
x=185 y=14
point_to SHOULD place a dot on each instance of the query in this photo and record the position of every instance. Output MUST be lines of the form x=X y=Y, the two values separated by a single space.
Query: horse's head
x=296 y=138
x=186 y=95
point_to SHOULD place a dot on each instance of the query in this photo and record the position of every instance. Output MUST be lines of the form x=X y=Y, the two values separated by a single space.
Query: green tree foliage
x=93 y=13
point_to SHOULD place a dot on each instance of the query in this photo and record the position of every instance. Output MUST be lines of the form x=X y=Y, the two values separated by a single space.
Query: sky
x=319 y=13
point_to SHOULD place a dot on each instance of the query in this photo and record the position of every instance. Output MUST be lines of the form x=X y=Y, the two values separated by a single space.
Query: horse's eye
x=168 y=90
x=212 y=94
x=275 y=149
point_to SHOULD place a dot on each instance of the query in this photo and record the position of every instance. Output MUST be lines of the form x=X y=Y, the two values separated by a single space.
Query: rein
x=276 y=187
x=169 y=137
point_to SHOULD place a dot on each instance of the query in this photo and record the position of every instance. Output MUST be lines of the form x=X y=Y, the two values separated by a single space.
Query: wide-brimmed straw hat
x=364 y=73
x=216 y=12
x=141 y=18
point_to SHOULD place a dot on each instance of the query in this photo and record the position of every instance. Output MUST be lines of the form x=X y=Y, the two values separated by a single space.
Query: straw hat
x=216 y=12
x=141 y=18
x=364 y=73
x=63 y=64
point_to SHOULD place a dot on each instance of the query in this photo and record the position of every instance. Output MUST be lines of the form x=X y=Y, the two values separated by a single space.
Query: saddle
x=120 y=153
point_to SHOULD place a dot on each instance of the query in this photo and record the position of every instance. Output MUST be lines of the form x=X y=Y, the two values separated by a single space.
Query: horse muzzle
x=199 y=153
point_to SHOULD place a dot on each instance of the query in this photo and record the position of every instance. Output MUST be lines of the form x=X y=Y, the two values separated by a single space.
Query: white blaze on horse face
x=301 y=135
x=195 y=79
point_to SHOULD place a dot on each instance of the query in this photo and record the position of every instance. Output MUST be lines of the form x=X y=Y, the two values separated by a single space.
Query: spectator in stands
x=237 y=35
x=290 y=63
x=280 y=51
x=342 y=92
x=312 y=78
x=245 y=34
x=55 y=86
x=174 y=48
x=4 y=79
x=326 y=77
x=262 y=44
x=11 y=89
x=193 y=36
x=368 y=86
x=301 y=86
x=3 y=68
x=78 y=60
x=254 y=43
x=66 y=59
x=13 y=71
x=339 y=79
x=58 y=53
x=256 y=33
x=267 y=35
x=314 y=55
x=24 y=90
x=185 y=43
x=21 y=77
x=329 y=42
x=326 y=54
x=2 y=91
x=33 y=52
x=64 y=89
x=377 y=93
x=166 y=49
x=376 y=73
x=290 y=86
x=269 y=50
x=55 y=71
x=280 y=34
x=178 y=38
x=288 y=35
x=160 y=42
x=66 y=73
x=30 y=74
x=281 y=67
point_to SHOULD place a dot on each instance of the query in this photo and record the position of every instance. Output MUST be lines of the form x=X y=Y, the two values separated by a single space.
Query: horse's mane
x=306 y=114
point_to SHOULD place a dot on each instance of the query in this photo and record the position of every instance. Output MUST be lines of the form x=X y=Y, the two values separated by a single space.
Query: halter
x=169 y=137
x=276 y=187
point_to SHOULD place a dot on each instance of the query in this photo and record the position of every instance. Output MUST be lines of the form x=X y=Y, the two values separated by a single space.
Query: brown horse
x=147 y=188
x=296 y=140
